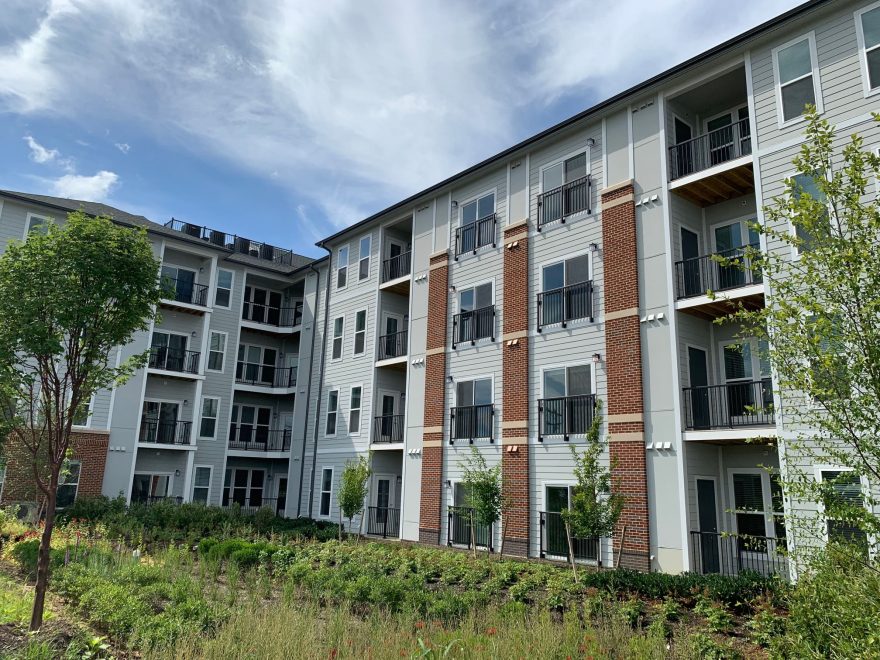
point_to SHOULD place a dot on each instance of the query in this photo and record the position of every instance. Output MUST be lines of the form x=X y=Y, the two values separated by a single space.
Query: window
x=478 y=209
x=223 y=295
x=261 y=306
x=804 y=185
x=777 y=504
x=83 y=416
x=150 y=487
x=36 y=223
x=476 y=227
x=216 y=350
x=748 y=499
x=567 y=407
x=338 y=329
x=556 y=202
x=868 y=28
x=180 y=284
x=364 y=259
x=326 y=491
x=566 y=293
x=796 y=78
x=201 y=483
x=476 y=317
x=332 y=412
x=250 y=424
x=354 y=411
x=843 y=496
x=256 y=365
x=244 y=487
x=208 y=424
x=472 y=416
x=342 y=267
x=360 y=332
x=68 y=484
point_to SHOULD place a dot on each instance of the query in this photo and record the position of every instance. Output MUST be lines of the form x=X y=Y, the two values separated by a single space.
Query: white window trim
x=223 y=352
x=355 y=333
x=562 y=260
x=321 y=492
x=814 y=71
x=471 y=379
x=91 y=410
x=566 y=365
x=27 y=222
x=210 y=469
x=368 y=258
x=216 y=419
x=360 y=412
x=217 y=287
x=460 y=289
x=820 y=506
x=473 y=198
x=347 y=248
x=333 y=338
x=863 y=53
x=754 y=354
x=743 y=221
x=337 y=413
x=577 y=152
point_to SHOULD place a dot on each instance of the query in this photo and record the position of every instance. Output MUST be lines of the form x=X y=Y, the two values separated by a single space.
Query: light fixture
x=193 y=333
x=268 y=477
x=452 y=288
x=596 y=358
x=454 y=204
x=591 y=142
x=449 y=483
x=177 y=473
x=185 y=402
x=594 y=247
x=450 y=378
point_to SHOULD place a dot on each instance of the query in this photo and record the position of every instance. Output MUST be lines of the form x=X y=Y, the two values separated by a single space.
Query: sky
x=287 y=120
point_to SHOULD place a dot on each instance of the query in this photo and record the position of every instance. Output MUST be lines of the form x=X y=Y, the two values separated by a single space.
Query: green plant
x=631 y=611
x=717 y=618
x=704 y=646
x=483 y=492
x=353 y=488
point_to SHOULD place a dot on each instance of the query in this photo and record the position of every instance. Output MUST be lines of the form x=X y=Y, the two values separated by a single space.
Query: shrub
x=25 y=554
x=245 y=557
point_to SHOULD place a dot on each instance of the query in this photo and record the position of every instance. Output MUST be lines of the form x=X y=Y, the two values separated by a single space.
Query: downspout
x=321 y=376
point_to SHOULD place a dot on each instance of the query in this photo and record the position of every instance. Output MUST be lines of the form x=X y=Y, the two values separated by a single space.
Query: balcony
x=393 y=346
x=554 y=541
x=260 y=377
x=266 y=317
x=165 y=433
x=388 y=429
x=733 y=405
x=472 y=423
x=731 y=554
x=560 y=204
x=383 y=521
x=150 y=500
x=565 y=416
x=235 y=244
x=246 y=437
x=175 y=360
x=569 y=303
x=396 y=267
x=459 y=525
x=477 y=234
x=183 y=291
x=731 y=273
x=254 y=503
x=473 y=325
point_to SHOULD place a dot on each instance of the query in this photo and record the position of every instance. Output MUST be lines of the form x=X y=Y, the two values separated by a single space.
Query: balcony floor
x=723 y=302
x=725 y=181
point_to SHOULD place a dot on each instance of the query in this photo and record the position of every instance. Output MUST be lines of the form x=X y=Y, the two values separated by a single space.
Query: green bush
x=25 y=554
x=245 y=557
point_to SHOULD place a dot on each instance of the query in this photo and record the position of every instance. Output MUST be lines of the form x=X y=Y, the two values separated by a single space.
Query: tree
x=593 y=510
x=821 y=325
x=482 y=486
x=353 y=488
x=67 y=299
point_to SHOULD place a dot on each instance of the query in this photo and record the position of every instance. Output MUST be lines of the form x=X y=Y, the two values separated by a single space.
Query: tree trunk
x=501 y=547
x=474 y=533
x=43 y=560
x=571 y=552
x=620 y=548
x=340 y=524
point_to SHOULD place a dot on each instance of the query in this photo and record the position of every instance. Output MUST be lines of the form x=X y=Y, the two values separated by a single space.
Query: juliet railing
x=472 y=423
x=554 y=540
x=458 y=530
x=472 y=236
x=393 y=345
x=172 y=359
x=713 y=148
x=184 y=291
x=565 y=416
x=561 y=203
x=248 y=437
x=165 y=433
x=264 y=375
x=388 y=429
x=565 y=304
x=473 y=325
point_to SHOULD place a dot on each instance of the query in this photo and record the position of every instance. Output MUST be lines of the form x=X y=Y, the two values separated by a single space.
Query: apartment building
x=495 y=309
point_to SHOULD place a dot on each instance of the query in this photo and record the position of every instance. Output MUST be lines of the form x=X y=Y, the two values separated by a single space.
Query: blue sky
x=286 y=120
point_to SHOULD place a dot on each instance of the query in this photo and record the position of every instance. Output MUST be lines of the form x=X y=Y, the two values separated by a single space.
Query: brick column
x=515 y=397
x=435 y=400
x=623 y=361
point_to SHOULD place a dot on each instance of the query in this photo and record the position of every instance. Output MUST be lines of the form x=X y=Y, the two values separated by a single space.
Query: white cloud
x=94 y=188
x=39 y=153
x=124 y=147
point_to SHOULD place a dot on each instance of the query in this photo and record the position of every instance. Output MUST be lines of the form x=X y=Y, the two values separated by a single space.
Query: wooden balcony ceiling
x=719 y=187
x=724 y=304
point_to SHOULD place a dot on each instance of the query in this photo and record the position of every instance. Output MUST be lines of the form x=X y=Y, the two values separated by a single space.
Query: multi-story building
x=496 y=308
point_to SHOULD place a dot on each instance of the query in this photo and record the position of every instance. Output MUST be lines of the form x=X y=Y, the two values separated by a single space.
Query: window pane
x=776 y=492
x=874 y=68
x=751 y=524
x=483 y=296
x=797 y=95
x=333 y=401
x=557 y=498
x=466 y=300
x=486 y=206
x=577 y=270
x=737 y=362
x=209 y=407
x=482 y=392
x=224 y=279
x=871 y=27
x=468 y=213
x=464 y=395
x=748 y=494
x=342 y=258
x=552 y=178
x=360 y=321
x=356 y=397
x=326 y=480
x=554 y=276
x=579 y=380
x=365 y=247
x=576 y=168
x=203 y=477
x=337 y=327
x=222 y=297
x=794 y=61
x=554 y=383
x=71 y=473
x=218 y=341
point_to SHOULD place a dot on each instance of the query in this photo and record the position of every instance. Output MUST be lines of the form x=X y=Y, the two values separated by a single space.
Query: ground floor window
x=68 y=484
x=244 y=487
x=150 y=487
x=326 y=491
x=201 y=483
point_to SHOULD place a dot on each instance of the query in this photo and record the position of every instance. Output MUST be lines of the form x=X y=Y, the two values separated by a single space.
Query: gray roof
x=122 y=217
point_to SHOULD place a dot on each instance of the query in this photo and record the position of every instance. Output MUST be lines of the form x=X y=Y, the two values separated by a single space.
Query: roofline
x=678 y=68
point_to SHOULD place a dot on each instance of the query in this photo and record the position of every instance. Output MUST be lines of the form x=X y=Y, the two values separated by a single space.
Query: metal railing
x=473 y=325
x=731 y=554
x=158 y=499
x=713 y=148
x=184 y=291
x=383 y=521
x=458 y=530
x=394 y=345
x=565 y=416
x=279 y=317
x=698 y=276
x=554 y=540
x=172 y=359
x=397 y=266
x=568 y=303
x=471 y=237
x=472 y=423
x=258 y=438
x=264 y=375
x=745 y=403
x=253 y=504
x=559 y=204
x=165 y=433
x=233 y=243
x=388 y=429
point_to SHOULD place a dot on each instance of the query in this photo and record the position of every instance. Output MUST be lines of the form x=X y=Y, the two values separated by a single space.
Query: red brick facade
x=435 y=400
x=623 y=364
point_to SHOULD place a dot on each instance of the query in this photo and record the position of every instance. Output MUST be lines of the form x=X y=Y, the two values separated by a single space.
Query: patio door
x=707 y=509
x=684 y=159
x=395 y=264
x=281 y=502
x=730 y=239
x=159 y=421
x=244 y=487
x=554 y=527
x=383 y=497
x=690 y=252
x=388 y=406
x=698 y=372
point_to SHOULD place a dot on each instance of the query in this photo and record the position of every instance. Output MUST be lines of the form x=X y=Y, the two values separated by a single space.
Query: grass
x=16 y=602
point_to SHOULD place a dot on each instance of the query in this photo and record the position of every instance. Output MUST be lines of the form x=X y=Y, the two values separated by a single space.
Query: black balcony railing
x=473 y=325
x=248 y=437
x=264 y=375
x=568 y=303
x=554 y=541
x=472 y=423
x=388 y=429
x=715 y=147
x=565 y=416
x=731 y=554
x=157 y=499
x=253 y=503
x=721 y=271
x=184 y=291
x=477 y=234
x=279 y=317
x=458 y=532
x=394 y=345
x=235 y=244
x=165 y=433
x=745 y=403
x=172 y=359
x=396 y=266
x=561 y=203
x=383 y=521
